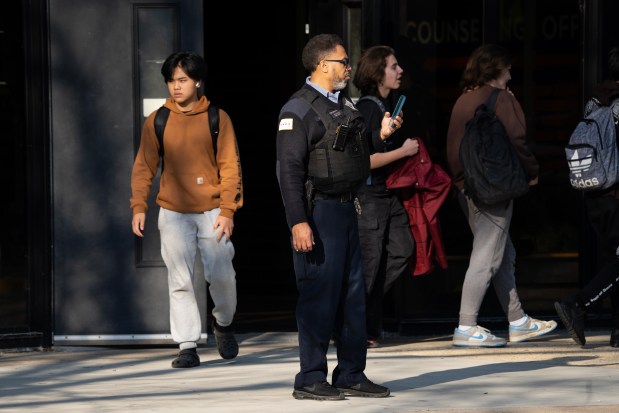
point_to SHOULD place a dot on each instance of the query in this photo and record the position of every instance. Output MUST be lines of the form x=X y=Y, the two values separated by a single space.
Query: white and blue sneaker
x=477 y=336
x=531 y=328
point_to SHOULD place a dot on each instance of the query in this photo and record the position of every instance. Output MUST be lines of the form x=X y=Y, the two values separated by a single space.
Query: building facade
x=77 y=81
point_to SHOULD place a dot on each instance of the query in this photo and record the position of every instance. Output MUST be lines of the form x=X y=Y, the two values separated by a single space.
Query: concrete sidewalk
x=425 y=374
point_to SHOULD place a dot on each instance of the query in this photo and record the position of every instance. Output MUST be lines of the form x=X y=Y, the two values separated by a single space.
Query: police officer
x=322 y=158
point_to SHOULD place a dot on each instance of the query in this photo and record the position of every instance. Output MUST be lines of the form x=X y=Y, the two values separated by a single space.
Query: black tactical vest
x=335 y=171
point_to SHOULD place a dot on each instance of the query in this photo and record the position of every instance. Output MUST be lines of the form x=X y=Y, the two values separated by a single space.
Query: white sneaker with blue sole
x=477 y=336
x=530 y=329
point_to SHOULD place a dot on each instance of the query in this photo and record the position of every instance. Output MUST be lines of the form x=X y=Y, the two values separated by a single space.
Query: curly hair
x=485 y=64
x=371 y=69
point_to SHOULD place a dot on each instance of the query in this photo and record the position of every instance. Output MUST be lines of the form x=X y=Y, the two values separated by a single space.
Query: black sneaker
x=226 y=342
x=573 y=318
x=365 y=389
x=186 y=358
x=317 y=391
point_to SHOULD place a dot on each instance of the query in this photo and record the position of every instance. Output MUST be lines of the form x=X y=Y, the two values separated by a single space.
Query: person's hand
x=137 y=223
x=225 y=226
x=389 y=125
x=302 y=237
x=410 y=147
x=533 y=181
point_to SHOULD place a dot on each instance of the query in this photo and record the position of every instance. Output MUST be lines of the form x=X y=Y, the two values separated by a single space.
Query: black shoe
x=614 y=338
x=317 y=391
x=574 y=320
x=186 y=358
x=226 y=342
x=365 y=389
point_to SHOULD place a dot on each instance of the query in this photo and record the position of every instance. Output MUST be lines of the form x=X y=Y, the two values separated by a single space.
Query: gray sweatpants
x=492 y=260
x=181 y=236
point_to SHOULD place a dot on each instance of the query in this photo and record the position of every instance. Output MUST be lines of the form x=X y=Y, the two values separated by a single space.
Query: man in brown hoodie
x=200 y=190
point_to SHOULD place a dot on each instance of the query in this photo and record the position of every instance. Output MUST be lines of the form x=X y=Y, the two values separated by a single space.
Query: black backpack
x=493 y=173
x=161 y=118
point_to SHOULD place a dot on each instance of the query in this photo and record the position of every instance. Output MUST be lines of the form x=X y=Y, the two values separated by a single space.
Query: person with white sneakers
x=493 y=256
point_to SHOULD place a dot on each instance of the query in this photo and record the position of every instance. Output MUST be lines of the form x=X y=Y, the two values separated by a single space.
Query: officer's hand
x=302 y=237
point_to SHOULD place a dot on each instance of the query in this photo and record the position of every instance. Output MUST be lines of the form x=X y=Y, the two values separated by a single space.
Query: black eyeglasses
x=345 y=62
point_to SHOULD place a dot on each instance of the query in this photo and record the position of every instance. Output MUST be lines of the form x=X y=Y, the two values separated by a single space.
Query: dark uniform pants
x=331 y=299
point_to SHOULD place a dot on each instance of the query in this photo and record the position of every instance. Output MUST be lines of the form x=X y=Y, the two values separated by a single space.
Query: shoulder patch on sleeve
x=285 y=124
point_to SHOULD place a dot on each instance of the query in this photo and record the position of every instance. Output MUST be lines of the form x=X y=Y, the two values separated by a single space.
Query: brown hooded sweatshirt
x=190 y=181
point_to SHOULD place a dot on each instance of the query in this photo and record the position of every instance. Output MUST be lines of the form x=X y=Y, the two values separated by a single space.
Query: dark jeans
x=603 y=213
x=387 y=245
x=331 y=297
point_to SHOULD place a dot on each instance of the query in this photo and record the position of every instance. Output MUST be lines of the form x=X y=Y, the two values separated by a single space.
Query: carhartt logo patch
x=285 y=124
x=200 y=180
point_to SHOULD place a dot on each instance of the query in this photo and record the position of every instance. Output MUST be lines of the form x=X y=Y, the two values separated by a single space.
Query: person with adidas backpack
x=384 y=231
x=200 y=190
x=493 y=255
x=601 y=205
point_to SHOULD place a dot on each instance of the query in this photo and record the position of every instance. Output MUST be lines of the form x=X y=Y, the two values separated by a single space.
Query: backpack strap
x=595 y=103
x=161 y=118
x=491 y=102
x=213 y=119
x=374 y=99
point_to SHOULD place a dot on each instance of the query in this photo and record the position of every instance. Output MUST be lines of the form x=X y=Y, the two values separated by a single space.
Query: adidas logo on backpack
x=579 y=165
x=592 y=153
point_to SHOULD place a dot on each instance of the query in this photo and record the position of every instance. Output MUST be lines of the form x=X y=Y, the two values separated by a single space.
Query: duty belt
x=343 y=197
